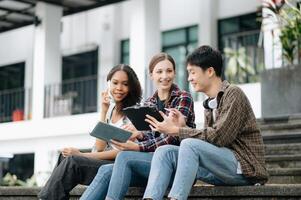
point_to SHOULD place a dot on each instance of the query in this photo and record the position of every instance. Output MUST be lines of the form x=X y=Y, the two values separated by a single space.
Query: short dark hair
x=205 y=57
x=135 y=92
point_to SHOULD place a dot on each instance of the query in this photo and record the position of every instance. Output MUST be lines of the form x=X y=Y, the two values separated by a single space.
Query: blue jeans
x=130 y=169
x=194 y=159
x=99 y=186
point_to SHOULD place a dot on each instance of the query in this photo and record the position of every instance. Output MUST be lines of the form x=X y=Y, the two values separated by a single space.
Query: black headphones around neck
x=210 y=103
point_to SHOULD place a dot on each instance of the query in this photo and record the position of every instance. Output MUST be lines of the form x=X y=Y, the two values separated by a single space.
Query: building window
x=12 y=91
x=179 y=43
x=80 y=79
x=77 y=93
x=125 y=51
x=238 y=39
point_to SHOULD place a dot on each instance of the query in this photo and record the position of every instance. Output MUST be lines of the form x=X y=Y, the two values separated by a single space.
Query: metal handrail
x=73 y=96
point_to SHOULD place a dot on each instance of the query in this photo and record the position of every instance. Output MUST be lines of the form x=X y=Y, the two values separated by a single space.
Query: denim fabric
x=130 y=169
x=99 y=186
x=194 y=159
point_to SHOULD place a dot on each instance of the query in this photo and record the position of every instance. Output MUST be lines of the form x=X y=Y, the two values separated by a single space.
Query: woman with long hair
x=132 y=168
x=76 y=167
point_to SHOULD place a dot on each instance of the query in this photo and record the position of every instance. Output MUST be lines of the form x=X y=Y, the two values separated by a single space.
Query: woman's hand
x=105 y=101
x=167 y=126
x=127 y=146
x=70 y=151
x=135 y=133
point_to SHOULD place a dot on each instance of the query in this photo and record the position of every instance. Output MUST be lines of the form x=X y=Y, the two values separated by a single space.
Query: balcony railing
x=15 y=105
x=74 y=96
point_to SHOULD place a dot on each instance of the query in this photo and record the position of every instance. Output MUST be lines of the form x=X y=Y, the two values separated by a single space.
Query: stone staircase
x=267 y=192
x=282 y=138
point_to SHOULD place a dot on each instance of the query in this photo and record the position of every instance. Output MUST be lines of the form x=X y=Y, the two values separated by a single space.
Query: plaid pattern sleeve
x=234 y=128
x=228 y=123
x=185 y=106
x=180 y=100
x=150 y=145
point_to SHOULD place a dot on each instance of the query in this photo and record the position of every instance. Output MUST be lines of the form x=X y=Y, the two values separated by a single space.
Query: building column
x=272 y=43
x=145 y=39
x=108 y=52
x=46 y=54
x=44 y=163
x=208 y=23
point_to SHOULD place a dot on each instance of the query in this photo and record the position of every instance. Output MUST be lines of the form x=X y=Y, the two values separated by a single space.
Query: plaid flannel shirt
x=180 y=100
x=234 y=128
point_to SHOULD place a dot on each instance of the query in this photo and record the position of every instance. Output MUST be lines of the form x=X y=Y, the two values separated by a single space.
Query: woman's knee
x=124 y=157
x=105 y=171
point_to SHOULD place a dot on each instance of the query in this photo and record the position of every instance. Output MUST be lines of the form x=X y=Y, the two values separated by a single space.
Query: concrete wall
x=281 y=92
x=231 y=8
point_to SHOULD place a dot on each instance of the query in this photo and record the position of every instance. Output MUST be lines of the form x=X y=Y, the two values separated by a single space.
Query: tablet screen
x=137 y=115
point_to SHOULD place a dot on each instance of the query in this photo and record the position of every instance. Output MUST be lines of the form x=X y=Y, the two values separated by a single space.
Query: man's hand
x=135 y=133
x=70 y=151
x=127 y=146
x=167 y=126
x=177 y=117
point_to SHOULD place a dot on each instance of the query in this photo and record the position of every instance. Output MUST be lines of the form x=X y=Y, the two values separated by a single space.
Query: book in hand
x=108 y=132
x=137 y=115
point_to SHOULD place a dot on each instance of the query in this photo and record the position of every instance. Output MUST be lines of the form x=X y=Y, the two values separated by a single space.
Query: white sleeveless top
x=119 y=123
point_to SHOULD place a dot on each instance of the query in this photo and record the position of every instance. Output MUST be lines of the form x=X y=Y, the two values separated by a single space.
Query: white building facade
x=131 y=31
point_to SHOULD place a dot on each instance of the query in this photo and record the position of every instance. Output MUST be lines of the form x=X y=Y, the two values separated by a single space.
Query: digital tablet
x=108 y=132
x=137 y=115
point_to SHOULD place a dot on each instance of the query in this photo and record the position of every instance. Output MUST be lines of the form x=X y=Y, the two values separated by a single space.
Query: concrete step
x=282 y=137
x=285 y=176
x=281 y=125
x=267 y=192
x=281 y=130
x=283 y=161
x=291 y=119
x=283 y=149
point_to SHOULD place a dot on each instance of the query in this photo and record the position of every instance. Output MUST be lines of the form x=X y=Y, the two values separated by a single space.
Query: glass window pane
x=193 y=34
x=227 y=26
x=125 y=51
x=79 y=85
x=179 y=55
x=249 y=22
x=12 y=76
x=174 y=37
x=192 y=46
x=178 y=44
x=125 y=59
x=125 y=46
x=243 y=59
x=80 y=65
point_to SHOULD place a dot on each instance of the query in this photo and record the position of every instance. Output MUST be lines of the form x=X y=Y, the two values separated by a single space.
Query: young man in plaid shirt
x=229 y=149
